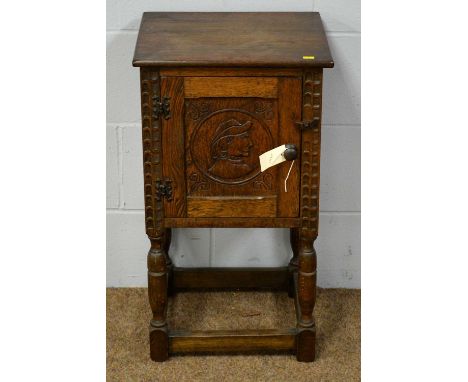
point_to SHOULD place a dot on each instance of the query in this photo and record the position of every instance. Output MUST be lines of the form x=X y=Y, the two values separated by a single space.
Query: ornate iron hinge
x=161 y=107
x=164 y=189
x=305 y=125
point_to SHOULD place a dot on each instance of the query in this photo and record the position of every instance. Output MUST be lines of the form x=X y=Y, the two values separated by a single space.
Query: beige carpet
x=338 y=336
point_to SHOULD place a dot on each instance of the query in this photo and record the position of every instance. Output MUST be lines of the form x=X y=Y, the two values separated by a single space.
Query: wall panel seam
x=124 y=124
x=330 y=33
x=342 y=125
x=120 y=165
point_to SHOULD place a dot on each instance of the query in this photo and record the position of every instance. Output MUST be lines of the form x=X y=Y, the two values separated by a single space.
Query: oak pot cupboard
x=218 y=90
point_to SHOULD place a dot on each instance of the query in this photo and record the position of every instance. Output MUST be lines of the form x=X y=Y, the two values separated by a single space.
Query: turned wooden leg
x=306 y=284
x=157 y=292
x=293 y=263
x=169 y=264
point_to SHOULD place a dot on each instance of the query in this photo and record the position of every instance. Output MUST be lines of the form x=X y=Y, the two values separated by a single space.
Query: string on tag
x=287 y=176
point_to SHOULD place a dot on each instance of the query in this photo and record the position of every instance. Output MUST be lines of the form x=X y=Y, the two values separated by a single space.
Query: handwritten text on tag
x=272 y=157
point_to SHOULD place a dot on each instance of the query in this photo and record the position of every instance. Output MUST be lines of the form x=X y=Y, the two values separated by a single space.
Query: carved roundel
x=226 y=144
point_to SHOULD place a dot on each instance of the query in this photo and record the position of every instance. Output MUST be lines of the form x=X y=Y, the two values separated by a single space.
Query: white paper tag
x=272 y=157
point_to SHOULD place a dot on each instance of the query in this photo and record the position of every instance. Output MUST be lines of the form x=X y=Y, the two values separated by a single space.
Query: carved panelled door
x=217 y=129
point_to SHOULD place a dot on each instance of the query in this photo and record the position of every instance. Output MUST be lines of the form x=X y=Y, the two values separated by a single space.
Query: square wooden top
x=250 y=39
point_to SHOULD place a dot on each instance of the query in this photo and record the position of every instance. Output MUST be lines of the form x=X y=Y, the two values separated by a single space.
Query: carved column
x=157 y=256
x=307 y=258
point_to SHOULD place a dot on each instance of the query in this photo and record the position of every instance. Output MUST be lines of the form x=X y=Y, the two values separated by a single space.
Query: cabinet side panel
x=290 y=101
x=173 y=146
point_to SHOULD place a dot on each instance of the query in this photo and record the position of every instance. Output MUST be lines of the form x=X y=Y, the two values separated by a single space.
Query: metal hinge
x=163 y=189
x=161 y=107
x=304 y=125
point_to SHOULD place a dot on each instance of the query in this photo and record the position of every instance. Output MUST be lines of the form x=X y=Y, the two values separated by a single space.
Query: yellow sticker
x=308 y=57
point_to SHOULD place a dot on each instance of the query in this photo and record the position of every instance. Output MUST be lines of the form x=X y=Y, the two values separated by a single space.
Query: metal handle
x=291 y=151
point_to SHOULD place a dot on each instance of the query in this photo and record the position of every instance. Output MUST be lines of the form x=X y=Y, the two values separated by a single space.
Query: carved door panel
x=217 y=129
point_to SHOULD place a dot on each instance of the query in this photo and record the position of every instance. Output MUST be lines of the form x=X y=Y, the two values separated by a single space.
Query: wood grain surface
x=232 y=340
x=230 y=72
x=232 y=222
x=270 y=39
x=231 y=207
x=289 y=113
x=265 y=87
x=173 y=146
x=228 y=278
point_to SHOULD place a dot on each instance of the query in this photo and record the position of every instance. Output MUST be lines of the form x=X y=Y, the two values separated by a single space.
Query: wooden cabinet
x=218 y=90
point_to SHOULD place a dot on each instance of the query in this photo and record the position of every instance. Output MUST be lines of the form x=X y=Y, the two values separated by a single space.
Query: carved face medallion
x=226 y=144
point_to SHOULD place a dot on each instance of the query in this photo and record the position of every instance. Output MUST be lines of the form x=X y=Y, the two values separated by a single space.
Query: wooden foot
x=305 y=345
x=159 y=343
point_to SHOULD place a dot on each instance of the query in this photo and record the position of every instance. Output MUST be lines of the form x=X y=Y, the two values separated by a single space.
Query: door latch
x=306 y=125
